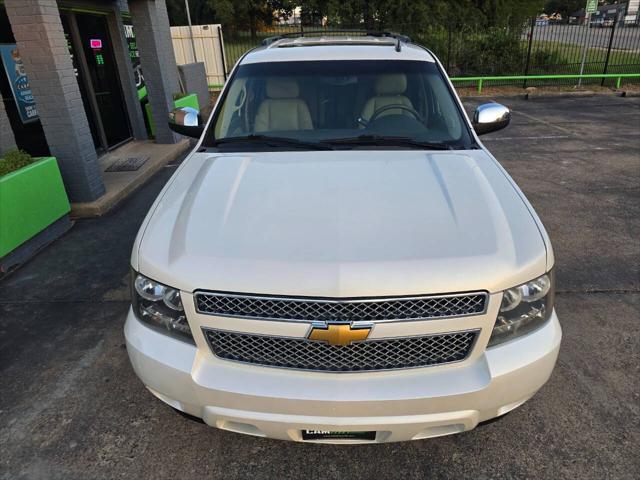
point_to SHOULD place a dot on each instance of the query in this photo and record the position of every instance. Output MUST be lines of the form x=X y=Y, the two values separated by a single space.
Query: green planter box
x=31 y=199
x=190 y=100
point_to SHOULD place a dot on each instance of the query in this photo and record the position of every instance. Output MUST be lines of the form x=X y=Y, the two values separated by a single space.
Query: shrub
x=14 y=160
x=494 y=51
x=551 y=61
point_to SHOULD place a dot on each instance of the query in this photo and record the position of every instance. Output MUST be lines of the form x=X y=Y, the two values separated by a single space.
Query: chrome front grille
x=353 y=310
x=380 y=354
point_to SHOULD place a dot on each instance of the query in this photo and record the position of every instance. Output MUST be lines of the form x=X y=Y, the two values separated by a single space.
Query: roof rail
x=364 y=33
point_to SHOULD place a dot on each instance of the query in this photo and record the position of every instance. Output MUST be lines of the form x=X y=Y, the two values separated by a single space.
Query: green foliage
x=564 y=7
x=492 y=51
x=542 y=58
x=234 y=15
x=381 y=14
x=253 y=15
x=14 y=160
x=202 y=12
x=507 y=12
x=470 y=36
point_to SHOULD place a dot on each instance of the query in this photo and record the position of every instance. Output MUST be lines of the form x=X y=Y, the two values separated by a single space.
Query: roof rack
x=364 y=33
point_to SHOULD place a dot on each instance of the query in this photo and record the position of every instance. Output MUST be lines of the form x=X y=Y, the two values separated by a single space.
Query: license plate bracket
x=337 y=435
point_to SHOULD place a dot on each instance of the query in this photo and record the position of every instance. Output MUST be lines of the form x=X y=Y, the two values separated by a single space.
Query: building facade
x=71 y=81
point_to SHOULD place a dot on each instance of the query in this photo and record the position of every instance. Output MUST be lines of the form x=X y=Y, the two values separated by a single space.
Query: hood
x=341 y=224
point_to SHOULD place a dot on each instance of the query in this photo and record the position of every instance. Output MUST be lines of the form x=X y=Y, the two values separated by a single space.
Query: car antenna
x=398 y=46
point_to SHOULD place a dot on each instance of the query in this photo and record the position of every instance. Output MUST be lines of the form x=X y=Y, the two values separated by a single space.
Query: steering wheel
x=411 y=110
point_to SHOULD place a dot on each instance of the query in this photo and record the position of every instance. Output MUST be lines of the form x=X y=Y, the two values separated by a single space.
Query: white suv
x=340 y=259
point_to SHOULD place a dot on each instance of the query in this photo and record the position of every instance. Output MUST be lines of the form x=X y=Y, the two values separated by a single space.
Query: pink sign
x=95 y=43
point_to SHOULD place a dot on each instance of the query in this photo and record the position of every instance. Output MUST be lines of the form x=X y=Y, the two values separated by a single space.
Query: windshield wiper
x=273 y=142
x=381 y=140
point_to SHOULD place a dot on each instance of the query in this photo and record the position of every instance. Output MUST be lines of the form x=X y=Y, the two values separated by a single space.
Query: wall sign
x=134 y=54
x=20 y=88
x=96 y=48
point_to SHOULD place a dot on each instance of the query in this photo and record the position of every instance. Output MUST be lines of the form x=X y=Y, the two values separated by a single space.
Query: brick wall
x=153 y=35
x=194 y=80
x=7 y=140
x=40 y=38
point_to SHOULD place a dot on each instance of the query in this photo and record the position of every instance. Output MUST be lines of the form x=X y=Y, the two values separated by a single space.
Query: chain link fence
x=535 y=49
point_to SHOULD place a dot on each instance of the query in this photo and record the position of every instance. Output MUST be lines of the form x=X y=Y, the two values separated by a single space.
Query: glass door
x=97 y=73
x=82 y=84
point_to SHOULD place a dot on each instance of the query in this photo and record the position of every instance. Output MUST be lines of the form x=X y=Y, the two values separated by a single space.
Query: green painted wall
x=31 y=199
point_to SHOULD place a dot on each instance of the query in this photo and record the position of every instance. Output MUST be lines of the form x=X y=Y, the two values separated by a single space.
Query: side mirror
x=186 y=121
x=490 y=117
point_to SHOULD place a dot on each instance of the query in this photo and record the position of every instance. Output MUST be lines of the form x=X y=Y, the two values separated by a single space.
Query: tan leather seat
x=282 y=110
x=389 y=91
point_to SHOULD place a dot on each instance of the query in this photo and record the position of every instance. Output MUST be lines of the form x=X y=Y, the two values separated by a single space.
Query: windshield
x=338 y=104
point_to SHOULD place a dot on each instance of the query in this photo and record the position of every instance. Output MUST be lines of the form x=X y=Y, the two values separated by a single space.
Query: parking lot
x=72 y=408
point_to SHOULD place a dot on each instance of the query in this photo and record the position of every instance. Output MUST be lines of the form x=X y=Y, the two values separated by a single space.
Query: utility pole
x=193 y=44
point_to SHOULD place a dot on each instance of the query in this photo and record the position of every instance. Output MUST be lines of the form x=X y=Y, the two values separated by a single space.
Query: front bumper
x=399 y=405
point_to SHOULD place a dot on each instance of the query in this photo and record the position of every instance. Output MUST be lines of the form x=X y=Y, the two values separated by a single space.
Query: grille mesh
x=383 y=354
x=340 y=310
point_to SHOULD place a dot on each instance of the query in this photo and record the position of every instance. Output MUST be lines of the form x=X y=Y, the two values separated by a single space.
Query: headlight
x=524 y=308
x=160 y=307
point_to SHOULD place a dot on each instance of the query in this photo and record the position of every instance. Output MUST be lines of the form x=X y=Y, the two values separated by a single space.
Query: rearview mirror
x=186 y=121
x=490 y=117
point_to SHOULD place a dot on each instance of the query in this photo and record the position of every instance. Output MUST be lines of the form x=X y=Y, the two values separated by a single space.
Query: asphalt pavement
x=71 y=407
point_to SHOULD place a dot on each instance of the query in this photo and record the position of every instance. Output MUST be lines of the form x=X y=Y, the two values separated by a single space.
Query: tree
x=202 y=12
x=564 y=7
x=256 y=13
x=417 y=14
x=233 y=14
x=401 y=15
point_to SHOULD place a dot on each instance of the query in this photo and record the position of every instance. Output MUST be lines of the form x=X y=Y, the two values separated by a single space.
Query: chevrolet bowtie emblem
x=338 y=333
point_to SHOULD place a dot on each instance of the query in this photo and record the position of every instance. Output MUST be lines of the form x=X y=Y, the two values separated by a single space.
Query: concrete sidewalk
x=120 y=184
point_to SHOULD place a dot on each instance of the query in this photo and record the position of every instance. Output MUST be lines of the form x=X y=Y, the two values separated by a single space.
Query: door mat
x=128 y=164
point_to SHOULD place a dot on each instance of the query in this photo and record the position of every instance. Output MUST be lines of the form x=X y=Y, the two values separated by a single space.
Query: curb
x=29 y=249
x=585 y=94
x=532 y=95
x=115 y=196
